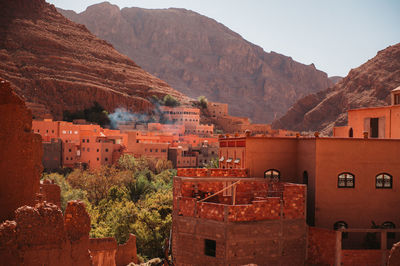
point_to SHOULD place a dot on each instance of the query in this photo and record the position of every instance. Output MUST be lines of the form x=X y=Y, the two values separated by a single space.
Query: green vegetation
x=203 y=102
x=96 y=114
x=171 y=101
x=213 y=163
x=134 y=196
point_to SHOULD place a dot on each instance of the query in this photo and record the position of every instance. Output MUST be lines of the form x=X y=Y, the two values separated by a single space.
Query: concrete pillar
x=384 y=246
x=338 y=248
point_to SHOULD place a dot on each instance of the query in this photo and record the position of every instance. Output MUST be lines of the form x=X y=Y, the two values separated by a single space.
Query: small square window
x=97 y=158
x=210 y=247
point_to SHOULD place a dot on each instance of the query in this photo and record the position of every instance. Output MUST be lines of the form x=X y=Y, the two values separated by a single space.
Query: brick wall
x=321 y=246
x=254 y=200
x=273 y=242
x=216 y=172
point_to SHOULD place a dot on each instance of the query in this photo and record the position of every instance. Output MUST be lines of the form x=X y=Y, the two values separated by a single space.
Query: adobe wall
x=40 y=235
x=103 y=251
x=370 y=257
x=20 y=154
x=365 y=158
x=50 y=192
x=274 y=242
x=356 y=120
x=321 y=246
x=127 y=253
x=52 y=153
x=276 y=153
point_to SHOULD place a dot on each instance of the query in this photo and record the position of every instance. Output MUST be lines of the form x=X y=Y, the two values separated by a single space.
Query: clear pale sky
x=335 y=35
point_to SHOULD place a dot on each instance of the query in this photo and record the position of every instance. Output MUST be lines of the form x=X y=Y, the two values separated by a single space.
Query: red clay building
x=224 y=217
x=343 y=175
x=377 y=122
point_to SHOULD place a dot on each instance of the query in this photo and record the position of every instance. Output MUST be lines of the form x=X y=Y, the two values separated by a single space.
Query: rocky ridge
x=56 y=64
x=366 y=86
x=199 y=56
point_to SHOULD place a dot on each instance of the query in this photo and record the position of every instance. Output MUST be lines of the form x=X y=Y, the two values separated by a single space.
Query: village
x=275 y=197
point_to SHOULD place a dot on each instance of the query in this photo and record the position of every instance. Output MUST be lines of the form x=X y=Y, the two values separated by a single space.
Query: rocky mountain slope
x=366 y=86
x=199 y=56
x=56 y=64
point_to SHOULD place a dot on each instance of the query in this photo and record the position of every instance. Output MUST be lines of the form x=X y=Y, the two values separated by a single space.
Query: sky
x=335 y=35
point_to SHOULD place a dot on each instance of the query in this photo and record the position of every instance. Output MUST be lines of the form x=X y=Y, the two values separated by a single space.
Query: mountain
x=366 y=86
x=57 y=65
x=199 y=56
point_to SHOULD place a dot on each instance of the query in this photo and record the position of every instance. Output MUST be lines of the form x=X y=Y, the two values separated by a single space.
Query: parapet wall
x=254 y=200
x=214 y=172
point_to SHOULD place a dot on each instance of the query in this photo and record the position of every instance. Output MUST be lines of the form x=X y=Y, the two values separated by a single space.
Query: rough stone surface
x=20 y=154
x=77 y=221
x=366 y=86
x=59 y=65
x=199 y=56
x=38 y=237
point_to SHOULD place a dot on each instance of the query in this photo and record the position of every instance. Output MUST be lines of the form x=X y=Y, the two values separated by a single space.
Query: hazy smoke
x=124 y=116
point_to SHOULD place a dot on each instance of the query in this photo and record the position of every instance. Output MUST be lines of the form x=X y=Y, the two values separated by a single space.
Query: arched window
x=351 y=132
x=383 y=180
x=389 y=225
x=272 y=174
x=346 y=180
x=341 y=225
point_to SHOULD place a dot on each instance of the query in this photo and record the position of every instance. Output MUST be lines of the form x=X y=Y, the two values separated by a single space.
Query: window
x=272 y=174
x=52 y=131
x=106 y=150
x=83 y=148
x=383 y=180
x=88 y=149
x=151 y=150
x=346 y=180
x=163 y=150
x=389 y=225
x=374 y=125
x=97 y=150
x=106 y=159
x=69 y=150
x=97 y=158
x=350 y=132
x=87 y=140
x=210 y=247
x=341 y=225
x=156 y=150
x=47 y=131
x=83 y=140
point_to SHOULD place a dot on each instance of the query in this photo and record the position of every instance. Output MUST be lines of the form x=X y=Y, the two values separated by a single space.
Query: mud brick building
x=224 y=217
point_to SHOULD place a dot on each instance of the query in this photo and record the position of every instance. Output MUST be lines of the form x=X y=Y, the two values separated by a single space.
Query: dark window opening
x=272 y=174
x=346 y=180
x=210 y=247
x=383 y=180
x=350 y=132
x=389 y=225
x=374 y=124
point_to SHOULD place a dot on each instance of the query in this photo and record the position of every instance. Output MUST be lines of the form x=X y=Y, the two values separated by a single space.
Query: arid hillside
x=56 y=64
x=366 y=86
x=199 y=56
